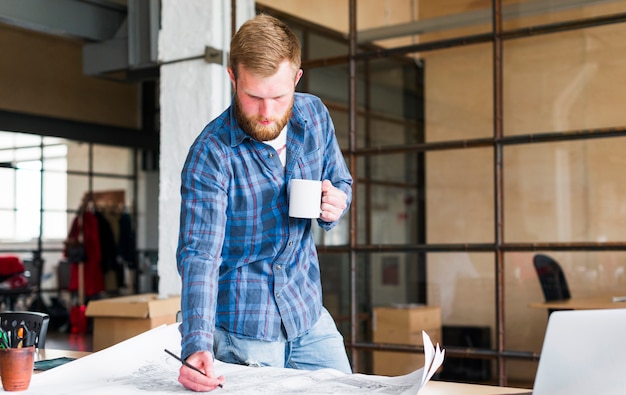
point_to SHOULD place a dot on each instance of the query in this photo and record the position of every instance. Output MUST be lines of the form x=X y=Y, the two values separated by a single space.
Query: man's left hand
x=334 y=202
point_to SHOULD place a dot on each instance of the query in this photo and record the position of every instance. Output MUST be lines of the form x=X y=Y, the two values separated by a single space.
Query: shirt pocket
x=310 y=165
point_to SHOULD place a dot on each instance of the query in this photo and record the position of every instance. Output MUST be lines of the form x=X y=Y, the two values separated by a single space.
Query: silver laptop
x=583 y=353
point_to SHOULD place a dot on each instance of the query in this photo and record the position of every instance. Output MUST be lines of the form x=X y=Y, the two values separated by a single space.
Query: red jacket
x=94 y=278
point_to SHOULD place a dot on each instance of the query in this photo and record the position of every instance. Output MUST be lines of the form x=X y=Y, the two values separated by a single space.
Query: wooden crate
x=403 y=325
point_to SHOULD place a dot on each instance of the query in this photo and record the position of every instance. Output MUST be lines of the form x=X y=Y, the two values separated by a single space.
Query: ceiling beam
x=79 y=131
x=133 y=48
x=472 y=18
x=92 y=21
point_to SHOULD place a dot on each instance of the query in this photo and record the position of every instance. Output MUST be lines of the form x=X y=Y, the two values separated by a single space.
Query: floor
x=69 y=341
x=58 y=335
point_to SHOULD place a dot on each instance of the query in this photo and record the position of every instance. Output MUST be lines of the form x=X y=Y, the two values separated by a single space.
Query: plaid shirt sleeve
x=202 y=224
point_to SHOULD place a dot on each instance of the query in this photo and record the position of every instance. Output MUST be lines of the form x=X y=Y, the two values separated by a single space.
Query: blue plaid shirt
x=246 y=266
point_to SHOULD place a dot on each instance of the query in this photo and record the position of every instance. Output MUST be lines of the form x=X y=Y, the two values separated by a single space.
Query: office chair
x=34 y=321
x=552 y=279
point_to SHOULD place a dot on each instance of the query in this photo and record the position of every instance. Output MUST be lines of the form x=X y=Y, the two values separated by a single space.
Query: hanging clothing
x=113 y=216
x=126 y=244
x=93 y=277
x=108 y=246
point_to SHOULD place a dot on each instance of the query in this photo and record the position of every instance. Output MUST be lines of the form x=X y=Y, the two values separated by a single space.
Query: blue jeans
x=320 y=347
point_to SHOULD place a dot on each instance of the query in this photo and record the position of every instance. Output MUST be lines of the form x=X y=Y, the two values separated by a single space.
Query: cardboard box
x=118 y=319
x=403 y=325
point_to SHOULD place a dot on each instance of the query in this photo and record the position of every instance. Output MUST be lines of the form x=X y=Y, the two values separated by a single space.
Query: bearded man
x=251 y=291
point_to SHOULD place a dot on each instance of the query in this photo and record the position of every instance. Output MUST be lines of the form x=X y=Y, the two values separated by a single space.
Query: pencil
x=190 y=366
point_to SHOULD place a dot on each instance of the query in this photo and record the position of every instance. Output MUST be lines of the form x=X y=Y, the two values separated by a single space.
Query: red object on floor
x=78 y=319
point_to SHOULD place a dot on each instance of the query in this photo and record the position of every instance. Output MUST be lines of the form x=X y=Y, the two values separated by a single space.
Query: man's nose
x=265 y=109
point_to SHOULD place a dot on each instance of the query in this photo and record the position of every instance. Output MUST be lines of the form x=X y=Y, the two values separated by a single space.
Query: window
x=32 y=167
x=44 y=183
x=475 y=147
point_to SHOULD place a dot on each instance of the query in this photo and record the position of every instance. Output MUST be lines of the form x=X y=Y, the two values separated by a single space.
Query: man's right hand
x=189 y=378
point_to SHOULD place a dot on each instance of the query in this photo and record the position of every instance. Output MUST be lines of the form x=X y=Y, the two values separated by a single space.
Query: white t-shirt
x=280 y=145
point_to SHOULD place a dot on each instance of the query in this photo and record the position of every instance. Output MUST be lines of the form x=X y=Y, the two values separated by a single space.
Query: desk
x=431 y=388
x=590 y=303
x=447 y=388
x=43 y=354
x=51 y=353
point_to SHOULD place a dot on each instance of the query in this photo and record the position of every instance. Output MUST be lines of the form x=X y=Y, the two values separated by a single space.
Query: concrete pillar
x=192 y=92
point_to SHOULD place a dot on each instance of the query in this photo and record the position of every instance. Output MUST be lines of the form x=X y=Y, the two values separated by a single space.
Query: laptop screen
x=583 y=353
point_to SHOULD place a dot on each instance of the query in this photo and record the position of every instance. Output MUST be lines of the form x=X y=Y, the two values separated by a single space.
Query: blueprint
x=140 y=366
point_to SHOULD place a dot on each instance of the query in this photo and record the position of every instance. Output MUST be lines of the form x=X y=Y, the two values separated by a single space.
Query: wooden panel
x=42 y=74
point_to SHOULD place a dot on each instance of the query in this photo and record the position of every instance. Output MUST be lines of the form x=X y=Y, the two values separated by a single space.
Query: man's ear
x=233 y=81
x=298 y=76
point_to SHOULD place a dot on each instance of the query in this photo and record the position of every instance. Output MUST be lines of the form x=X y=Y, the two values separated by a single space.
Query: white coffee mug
x=305 y=198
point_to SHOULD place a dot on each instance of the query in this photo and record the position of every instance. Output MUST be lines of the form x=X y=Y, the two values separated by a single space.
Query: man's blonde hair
x=261 y=44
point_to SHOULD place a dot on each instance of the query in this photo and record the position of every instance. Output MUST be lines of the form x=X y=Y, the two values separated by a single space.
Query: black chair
x=552 y=278
x=34 y=321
